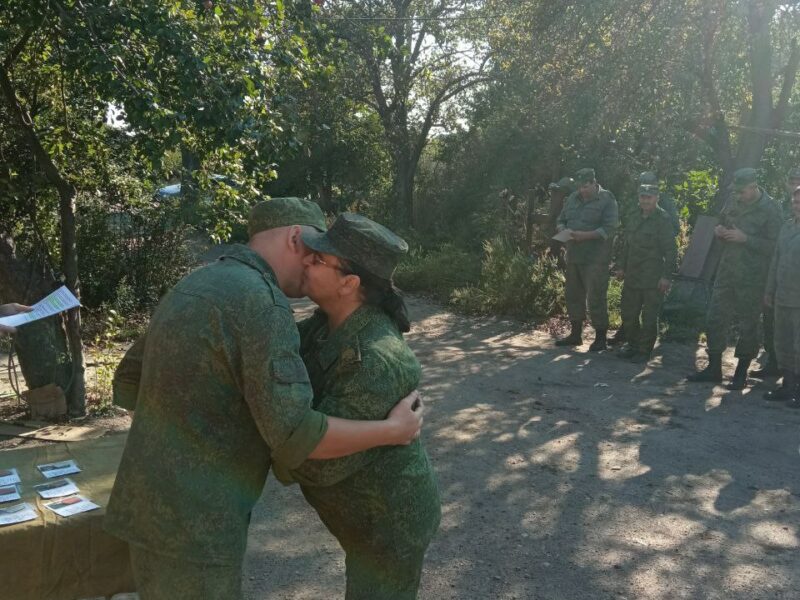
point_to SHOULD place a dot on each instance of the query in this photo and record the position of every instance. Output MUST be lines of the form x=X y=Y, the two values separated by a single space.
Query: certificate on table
x=9 y=477
x=57 y=488
x=19 y=513
x=9 y=493
x=58 y=469
x=71 y=505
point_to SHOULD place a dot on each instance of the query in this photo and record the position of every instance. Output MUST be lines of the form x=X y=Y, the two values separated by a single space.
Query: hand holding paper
x=59 y=301
x=564 y=235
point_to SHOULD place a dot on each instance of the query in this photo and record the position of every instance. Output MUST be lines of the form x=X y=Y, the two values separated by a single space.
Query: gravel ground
x=568 y=475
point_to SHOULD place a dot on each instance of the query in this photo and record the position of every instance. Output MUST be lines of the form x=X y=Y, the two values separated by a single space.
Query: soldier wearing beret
x=770 y=365
x=590 y=214
x=648 y=261
x=748 y=230
x=382 y=505
x=220 y=391
x=783 y=296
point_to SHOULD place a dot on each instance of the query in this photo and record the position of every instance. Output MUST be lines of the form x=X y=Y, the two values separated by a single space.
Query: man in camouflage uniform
x=667 y=203
x=783 y=296
x=219 y=390
x=770 y=368
x=648 y=261
x=590 y=214
x=748 y=228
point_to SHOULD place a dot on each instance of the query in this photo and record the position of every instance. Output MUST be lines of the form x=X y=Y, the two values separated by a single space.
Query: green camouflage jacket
x=783 y=283
x=599 y=213
x=219 y=390
x=361 y=371
x=650 y=250
x=746 y=264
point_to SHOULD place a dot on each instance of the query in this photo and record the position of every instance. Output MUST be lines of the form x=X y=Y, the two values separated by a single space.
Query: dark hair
x=381 y=293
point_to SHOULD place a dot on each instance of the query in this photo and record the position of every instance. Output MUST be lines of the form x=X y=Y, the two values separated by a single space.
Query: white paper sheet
x=19 y=513
x=9 y=493
x=59 y=469
x=57 y=488
x=71 y=505
x=59 y=301
x=9 y=476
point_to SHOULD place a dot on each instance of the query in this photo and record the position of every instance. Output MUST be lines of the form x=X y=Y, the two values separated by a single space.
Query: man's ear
x=295 y=239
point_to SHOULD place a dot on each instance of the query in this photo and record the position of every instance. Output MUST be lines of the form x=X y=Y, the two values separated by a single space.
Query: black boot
x=712 y=373
x=574 y=338
x=599 y=342
x=787 y=391
x=770 y=369
x=618 y=338
x=739 y=381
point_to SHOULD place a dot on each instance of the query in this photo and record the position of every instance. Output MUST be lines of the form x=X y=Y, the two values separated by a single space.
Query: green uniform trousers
x=640 y=309
x=160 y=577
x=587 y=284
x=787 y=338
x=740 y=305
x=768 y=320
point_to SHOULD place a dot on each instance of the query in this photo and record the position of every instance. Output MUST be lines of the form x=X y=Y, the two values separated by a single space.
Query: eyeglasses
x=316 y=259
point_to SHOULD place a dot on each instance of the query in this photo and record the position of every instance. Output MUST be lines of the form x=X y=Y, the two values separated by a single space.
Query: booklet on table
x=71 y=505
x=59 y=469
x=57 y=488
x=9 y=477
x=19 y=513
x=9 y=493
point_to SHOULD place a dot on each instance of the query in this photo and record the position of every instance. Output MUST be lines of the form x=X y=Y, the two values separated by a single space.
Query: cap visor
x=319 y=241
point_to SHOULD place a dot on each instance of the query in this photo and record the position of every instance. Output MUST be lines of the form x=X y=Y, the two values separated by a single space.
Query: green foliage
x=693 y=195
x=513 y=283
x=438 y=272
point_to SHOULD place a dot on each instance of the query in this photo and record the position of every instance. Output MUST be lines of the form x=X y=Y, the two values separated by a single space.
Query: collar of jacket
x=343 y=342
x=763 y=199
x=246 y=256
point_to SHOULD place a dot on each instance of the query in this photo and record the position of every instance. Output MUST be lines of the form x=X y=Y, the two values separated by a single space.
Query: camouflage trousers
x=160 y=577
x=640 y=309
x=787 y=338
x=587 y=285
x=734 y=305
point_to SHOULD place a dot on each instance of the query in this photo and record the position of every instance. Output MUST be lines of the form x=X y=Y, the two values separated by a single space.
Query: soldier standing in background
x=783 y=296
x=648 y=261
x=590 y=215
x=770 y=365
x=748 y=228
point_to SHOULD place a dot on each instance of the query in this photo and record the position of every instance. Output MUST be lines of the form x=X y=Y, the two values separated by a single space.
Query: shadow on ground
x=568 y=475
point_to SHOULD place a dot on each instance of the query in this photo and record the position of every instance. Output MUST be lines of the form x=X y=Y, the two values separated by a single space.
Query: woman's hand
x=406 y=419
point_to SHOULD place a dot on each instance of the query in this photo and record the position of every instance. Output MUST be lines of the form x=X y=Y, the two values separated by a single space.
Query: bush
x=438 y=272
x=514 y=284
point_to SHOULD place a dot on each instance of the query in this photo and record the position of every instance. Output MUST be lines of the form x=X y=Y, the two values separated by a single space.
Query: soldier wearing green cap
x=382 y=505
x=769 y=361
x=648 y=261
x=590 y=215
x=748 y=229
x=220 y=391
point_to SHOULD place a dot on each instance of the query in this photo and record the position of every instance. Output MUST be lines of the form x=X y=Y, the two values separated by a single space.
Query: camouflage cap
x=565 y=184
x=283 y=212
x=648 y=177
x=743 y=178
x=585 y=176
x=794 y=173
x=360 y=240
x=648 y=189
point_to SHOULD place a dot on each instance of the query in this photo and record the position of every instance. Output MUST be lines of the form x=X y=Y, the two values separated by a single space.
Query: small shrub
x=514 y=284
x=438 y=272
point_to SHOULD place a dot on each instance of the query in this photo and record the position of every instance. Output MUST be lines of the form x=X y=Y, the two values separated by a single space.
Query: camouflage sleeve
x=772 y=275
x=368 y=393
x=127 y=374
x=669 y=248
x=610 y=218
x=275 y=384
x=766 y=244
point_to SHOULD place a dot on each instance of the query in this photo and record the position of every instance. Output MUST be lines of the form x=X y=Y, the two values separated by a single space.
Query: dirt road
x=567 y=476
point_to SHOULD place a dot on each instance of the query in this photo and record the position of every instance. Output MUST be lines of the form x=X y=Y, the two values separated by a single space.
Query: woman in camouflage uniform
x=382 y=505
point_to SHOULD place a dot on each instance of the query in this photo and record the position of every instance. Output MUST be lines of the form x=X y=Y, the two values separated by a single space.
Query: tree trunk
x=42 y=345
x=403 y=188
x=76 y=394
